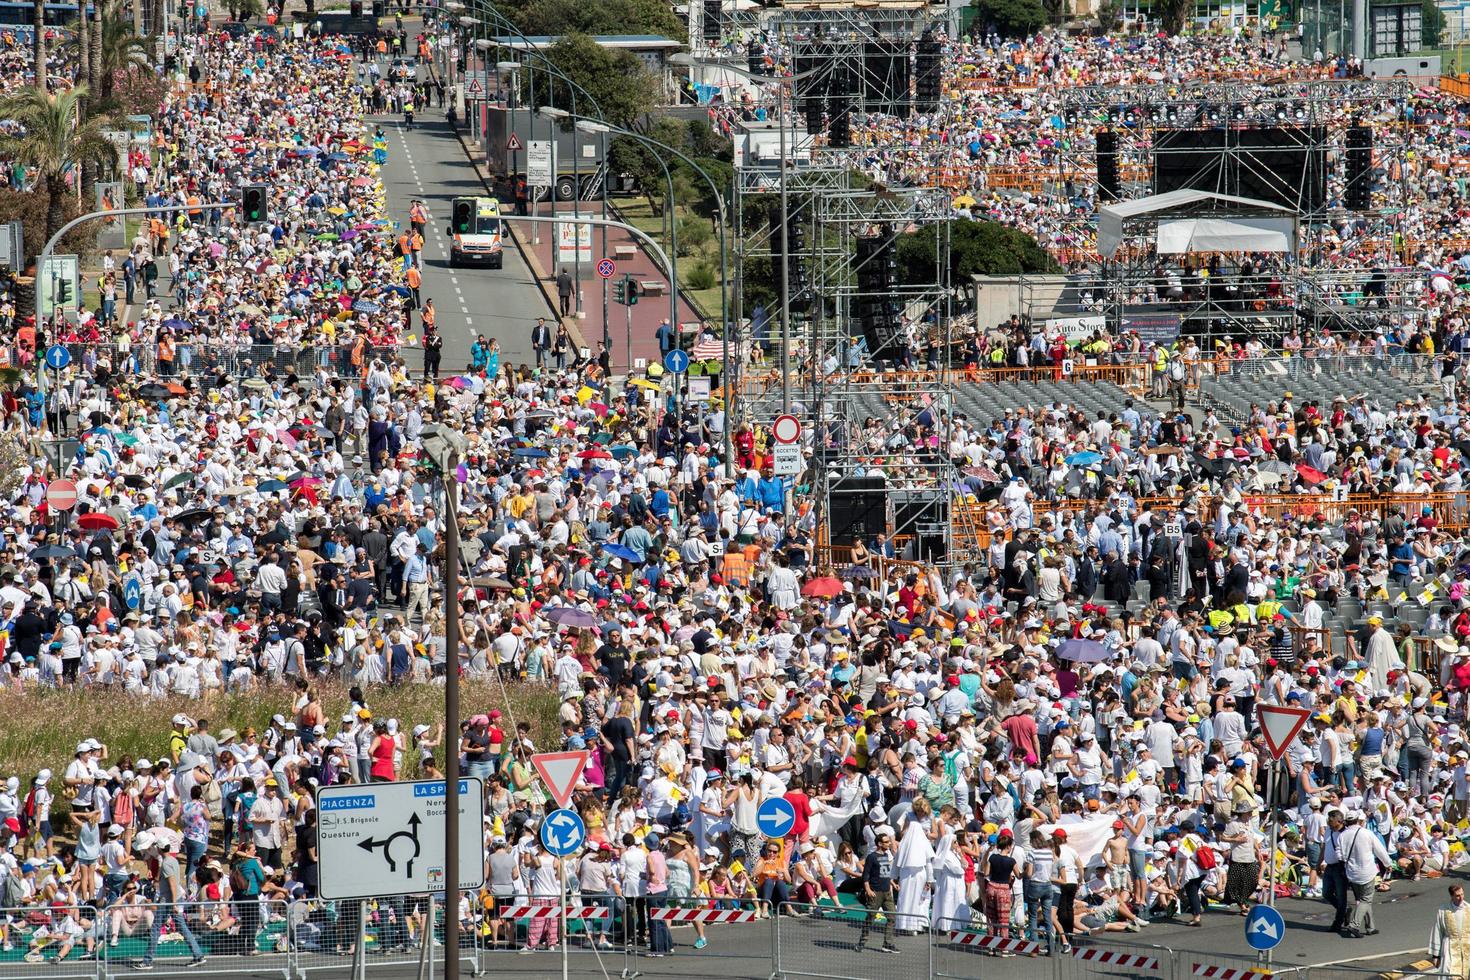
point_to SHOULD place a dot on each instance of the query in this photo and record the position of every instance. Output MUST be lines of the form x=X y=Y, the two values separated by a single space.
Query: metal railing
x=202 y=360
x=653 y=937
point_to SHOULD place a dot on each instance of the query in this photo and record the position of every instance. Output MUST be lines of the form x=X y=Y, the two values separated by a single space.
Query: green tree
x=1011 y=18
x=53 y=139
x=1431 y=24
x=119 y=52
x=975 y=248
x=1173 y=14
x=558 y=18
x=1109 y=17
x=616 y=79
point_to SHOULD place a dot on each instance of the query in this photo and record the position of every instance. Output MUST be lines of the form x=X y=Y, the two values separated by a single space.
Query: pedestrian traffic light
x=464 y=216
x=254 y=202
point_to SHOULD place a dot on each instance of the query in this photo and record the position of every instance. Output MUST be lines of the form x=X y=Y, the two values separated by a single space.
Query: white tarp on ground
x=1280 y=220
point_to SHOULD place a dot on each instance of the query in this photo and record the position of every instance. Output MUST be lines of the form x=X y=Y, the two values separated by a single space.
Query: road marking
x=1360 y=958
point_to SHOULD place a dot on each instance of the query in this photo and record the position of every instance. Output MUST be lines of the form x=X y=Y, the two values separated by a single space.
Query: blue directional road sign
x=776 y=817
x=133 y=593
x=58 y=357
x=563 y=832
x=676 y=361
x=1264 y=927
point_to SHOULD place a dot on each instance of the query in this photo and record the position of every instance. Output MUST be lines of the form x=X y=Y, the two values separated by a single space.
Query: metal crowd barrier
x=605 y=937
x=198 y=359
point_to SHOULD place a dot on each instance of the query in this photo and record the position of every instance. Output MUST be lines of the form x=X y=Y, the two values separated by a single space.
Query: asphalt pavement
x=824 y=947
x=428 y=163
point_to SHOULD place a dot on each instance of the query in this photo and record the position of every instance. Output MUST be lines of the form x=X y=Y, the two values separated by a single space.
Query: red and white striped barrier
x=554 y=912
x=995 y=944
x=1226 y=972
x=702 y=915
x=1112 y=957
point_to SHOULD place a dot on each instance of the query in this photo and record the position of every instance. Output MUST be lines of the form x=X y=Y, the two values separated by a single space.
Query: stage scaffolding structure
x=843 y=382
x=1308 y=289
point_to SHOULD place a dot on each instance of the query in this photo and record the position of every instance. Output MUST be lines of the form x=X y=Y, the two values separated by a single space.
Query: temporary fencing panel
x=52 y=943
x=506 y=927
x=234 y=936
x=1119 y=960
x=738 y=939
x=846 y=944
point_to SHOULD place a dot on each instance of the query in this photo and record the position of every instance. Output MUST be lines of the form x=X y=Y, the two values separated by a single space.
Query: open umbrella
x=178 y=480
x=305 y=482
x=824 y=587
x=366 y=306
x=234 y=491
x=1310 y=474
x=97 y=521
x=1275 y=466
x=623 y=452
x=572 y=616
x=1087 y=458
x=155 y=391
x=594 y=454
x=1083 y=651
x=620 y=551
x=49 y=551
x=255 y=384
x=271 y=486
x=135 y=480
x=530 y=452
x=194 y=516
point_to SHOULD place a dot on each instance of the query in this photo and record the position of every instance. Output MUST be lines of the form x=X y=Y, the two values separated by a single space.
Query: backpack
x=13 y=892
x=28 y=812
x=239 y=884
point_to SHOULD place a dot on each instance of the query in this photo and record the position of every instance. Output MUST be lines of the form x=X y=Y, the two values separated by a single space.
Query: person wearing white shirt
x=1362 y=855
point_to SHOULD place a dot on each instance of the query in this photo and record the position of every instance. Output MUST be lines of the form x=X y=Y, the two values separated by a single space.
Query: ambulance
x=475 y=232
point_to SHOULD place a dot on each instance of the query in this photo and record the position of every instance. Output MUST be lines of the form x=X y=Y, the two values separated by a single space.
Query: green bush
x=702 y=276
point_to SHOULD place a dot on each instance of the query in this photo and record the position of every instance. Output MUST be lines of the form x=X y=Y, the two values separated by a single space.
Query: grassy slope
x=41 y=728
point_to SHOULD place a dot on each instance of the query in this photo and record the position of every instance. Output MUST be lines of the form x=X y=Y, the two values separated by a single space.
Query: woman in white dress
x=915 y=873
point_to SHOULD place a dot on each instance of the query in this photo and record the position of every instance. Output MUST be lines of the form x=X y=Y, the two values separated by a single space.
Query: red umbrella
x=305 y=482
x=1309 y=474
x=825 y=587
x=594 y=454
x=96 y=521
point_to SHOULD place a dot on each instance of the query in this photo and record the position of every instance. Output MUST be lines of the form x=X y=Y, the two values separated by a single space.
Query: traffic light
x=464 y=217
x=620 y=291
x=63 y=292
x=254 y=202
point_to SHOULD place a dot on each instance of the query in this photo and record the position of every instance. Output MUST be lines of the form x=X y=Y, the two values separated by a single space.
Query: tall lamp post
x=781 y=81
x=445 y=447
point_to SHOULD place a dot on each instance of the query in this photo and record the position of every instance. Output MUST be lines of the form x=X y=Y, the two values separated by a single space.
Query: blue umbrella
x=271 y=486
x=174 y=323
x=1086 y=458
x=400 y=290
x=623 y=452
x=527 y=452
x=620 y=551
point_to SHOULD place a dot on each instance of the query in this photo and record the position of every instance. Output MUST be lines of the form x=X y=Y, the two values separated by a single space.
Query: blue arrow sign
x=562 y=832
x=1264 y=928
x=133 y=593
x=676 y=361
x=776 y=817
x=57 y=357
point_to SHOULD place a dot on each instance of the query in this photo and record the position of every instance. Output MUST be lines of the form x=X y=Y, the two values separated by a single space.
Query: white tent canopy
x=1265 y=227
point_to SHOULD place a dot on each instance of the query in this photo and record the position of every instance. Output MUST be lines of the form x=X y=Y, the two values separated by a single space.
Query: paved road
x=824 y=948
x=428 y=163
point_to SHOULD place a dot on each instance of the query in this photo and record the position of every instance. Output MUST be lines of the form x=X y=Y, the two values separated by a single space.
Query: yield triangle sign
x=1280 y=726
x=513 y=143
x=560 y=772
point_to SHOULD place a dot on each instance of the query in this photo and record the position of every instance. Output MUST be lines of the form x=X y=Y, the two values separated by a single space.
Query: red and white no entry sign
x=61 y=495
x=786 y=429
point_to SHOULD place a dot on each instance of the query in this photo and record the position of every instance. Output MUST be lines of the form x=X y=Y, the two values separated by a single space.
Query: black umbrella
x=134 y=480
x=154 y=390
x=193 y=516
x=49 y=551
x=1215 y=467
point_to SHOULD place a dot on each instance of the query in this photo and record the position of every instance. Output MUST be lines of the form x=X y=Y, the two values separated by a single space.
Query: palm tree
x=38 y=41
x=53 y=138
x=118 y=50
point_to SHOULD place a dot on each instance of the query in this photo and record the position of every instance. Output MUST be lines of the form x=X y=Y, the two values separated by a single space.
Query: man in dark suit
x=541 y=341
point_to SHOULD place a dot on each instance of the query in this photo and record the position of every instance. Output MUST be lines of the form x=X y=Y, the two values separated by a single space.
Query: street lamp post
x=781 y=82
x=725 y=368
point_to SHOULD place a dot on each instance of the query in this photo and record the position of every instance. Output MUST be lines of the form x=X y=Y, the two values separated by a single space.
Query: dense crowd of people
x=1054 y=741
